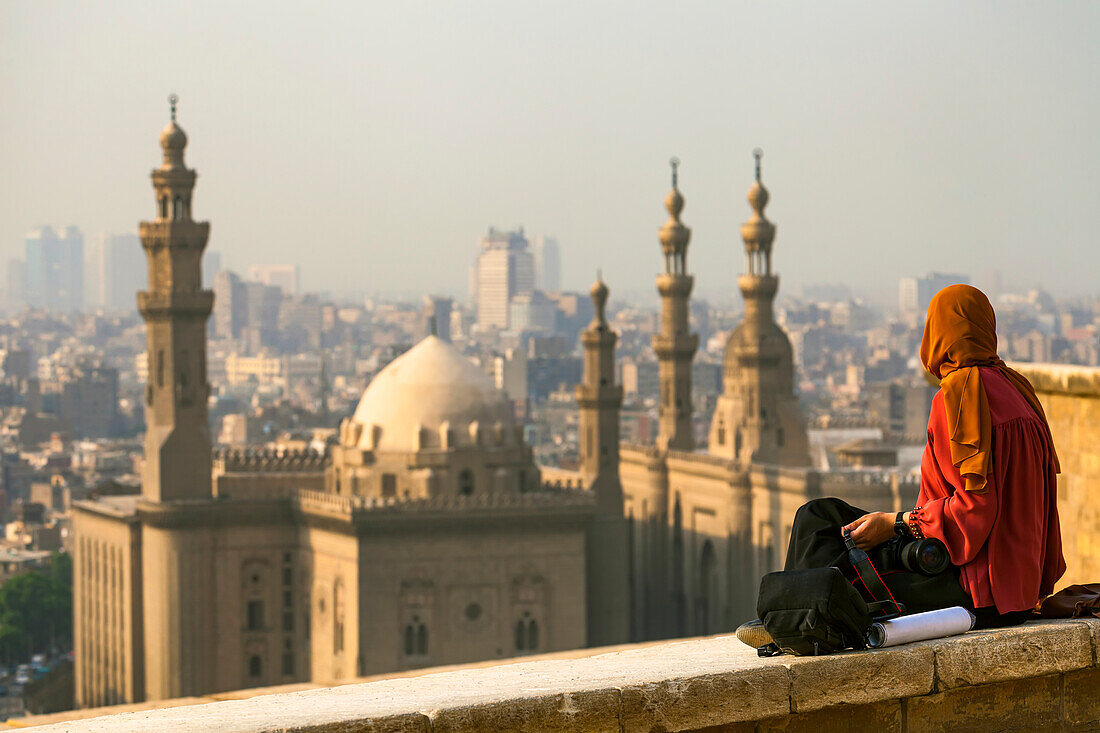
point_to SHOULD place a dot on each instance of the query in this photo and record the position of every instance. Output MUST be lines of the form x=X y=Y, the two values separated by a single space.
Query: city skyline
x=937 y=138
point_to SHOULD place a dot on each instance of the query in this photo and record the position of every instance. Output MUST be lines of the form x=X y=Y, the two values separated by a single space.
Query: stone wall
x=1071 y=399
x=1041 y=676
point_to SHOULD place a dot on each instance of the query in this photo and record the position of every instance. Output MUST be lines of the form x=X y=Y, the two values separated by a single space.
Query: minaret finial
x=172 y=99
x=674 y=163
x=599 y=274
x=758 y=154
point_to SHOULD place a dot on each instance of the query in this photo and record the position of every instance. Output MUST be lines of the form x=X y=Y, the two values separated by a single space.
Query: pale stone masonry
x=1071 y=398
x=1041 y=676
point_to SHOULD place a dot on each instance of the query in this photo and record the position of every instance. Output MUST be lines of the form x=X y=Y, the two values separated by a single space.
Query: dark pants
x=816 y=542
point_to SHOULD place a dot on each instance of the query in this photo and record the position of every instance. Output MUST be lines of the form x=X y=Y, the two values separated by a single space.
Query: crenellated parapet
x=269 y=460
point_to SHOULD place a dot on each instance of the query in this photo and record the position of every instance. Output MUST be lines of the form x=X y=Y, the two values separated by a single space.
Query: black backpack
x=818 y=611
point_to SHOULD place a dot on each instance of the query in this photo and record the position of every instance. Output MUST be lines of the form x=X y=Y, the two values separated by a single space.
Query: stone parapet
x=261 y=460
x=1071 y=399
x=1042 y=675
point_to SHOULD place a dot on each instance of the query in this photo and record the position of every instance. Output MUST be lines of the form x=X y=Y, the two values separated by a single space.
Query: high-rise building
x=547 y=263
x=229 y=305
x=505 y=268
x=915 y=293
x=116 y=274
x=211 y=266
x=55 y=268
x=280 y=276
x=533 y=313
x=437 y=316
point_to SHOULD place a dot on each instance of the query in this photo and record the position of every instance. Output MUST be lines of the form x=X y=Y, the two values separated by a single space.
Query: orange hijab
x=960 y=335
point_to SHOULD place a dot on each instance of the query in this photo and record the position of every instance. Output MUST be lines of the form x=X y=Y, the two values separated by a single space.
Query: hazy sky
x=373 y=142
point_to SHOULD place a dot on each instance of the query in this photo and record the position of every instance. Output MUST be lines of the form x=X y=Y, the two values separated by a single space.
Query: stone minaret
x=758 y=418
x=674 y=345
x=175 y=309
x=607 y=566
x=599 y=400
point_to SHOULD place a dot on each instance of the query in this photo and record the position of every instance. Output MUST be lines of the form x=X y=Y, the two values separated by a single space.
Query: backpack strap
x=872 y=581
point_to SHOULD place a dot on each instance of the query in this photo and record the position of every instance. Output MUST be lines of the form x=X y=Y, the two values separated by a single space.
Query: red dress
x=1005 y=539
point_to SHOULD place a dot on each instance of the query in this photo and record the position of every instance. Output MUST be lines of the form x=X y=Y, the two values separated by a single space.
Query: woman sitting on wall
x=988 y=481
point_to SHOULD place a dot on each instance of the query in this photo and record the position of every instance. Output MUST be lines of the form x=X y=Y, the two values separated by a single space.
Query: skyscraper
x=505 y=268
x=55 y=268
x=280 y=276
x=547 y=263
x=116 y=273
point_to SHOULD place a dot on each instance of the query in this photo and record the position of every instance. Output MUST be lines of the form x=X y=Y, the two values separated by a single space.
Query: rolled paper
x=920 y=626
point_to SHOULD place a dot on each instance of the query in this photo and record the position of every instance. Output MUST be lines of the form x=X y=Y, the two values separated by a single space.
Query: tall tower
x=675 y=347
x=175 y=309
x=758 y=418
x=607 y=564
x=599 y=400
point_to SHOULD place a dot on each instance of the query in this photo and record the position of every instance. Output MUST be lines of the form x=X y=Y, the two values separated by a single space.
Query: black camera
x=927 y=556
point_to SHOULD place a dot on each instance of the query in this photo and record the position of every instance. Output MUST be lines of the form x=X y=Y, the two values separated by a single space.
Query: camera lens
x=928 y=557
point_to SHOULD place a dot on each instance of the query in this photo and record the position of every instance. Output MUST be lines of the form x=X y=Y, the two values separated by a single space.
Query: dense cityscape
x=365 y=366
x=286 y=366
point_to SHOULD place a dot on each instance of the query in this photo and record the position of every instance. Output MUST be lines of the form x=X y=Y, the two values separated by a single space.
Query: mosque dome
x=429 y=388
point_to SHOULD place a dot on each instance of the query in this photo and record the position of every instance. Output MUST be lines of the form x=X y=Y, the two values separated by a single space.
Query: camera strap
x=884 y=606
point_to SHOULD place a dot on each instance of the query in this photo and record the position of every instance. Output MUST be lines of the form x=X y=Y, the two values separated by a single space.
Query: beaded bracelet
x=914 y=526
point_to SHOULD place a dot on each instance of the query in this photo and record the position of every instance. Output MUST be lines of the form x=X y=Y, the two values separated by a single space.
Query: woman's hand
x=871 y=529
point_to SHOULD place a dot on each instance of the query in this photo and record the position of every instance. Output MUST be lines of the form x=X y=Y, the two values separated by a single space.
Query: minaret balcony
x=758 y=287
x=174 y=233
x=677 y=345
x=158 y=305
x=671 y=285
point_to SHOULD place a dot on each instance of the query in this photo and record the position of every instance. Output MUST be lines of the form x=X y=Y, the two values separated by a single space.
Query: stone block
x=683 y=704
x=1018 y=705
x=588 y=711
x=882 y=716
x=1081 y=695
x=860 y=678
x=1031 y=650
x=415 y=723
x=1094 y=629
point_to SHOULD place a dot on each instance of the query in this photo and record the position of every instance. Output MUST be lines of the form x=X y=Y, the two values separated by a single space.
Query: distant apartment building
x=533 y=313
x=284 y=277
x=89 y=402
x=914 y=293
x=229 y=305
x=437 y=316
x=116 y=272
x=547 y=263
x=505 y=268
x=54 y=268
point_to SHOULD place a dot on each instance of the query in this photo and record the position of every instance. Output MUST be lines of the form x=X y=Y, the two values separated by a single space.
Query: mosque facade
x=426 y=536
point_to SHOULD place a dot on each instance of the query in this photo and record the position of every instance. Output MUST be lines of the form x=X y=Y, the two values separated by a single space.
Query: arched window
x=160 y=368
x=338 y=618
x=521 y=636
x=533 y=635
x=255 y=666
x=163 y=207
x=177 y=208
x=708 y=578
x=410 y=640
x=422 y=640
x=466 y=482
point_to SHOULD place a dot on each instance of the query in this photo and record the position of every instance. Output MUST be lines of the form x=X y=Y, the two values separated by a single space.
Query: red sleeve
x=961 y=519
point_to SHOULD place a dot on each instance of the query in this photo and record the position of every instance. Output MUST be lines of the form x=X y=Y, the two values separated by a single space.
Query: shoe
x=753 y=634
